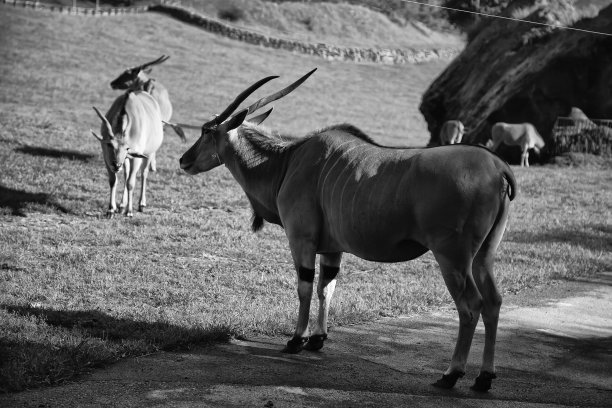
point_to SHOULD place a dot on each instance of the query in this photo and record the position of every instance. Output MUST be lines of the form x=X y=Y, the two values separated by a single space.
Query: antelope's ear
x=96 y=135
x=236 y=120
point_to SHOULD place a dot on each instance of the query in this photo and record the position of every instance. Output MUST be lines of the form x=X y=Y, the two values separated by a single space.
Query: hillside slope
x=333 y=23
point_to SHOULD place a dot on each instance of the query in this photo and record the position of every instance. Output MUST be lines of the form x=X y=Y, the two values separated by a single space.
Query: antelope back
x=143 y=132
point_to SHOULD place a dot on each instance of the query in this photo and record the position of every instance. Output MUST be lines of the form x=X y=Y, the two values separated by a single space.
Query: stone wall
x=326 y=51
x=76 y=10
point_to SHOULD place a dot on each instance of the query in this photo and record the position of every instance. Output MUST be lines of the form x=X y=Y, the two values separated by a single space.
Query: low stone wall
x=76 y=10
x=326 y=51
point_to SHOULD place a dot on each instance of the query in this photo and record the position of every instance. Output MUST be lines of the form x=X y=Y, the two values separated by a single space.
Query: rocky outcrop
x=514 y=71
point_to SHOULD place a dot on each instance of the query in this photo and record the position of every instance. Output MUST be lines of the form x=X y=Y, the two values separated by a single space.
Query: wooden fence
x=592 y=136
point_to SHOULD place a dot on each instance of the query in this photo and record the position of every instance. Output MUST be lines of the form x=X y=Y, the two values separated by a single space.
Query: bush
x=231 y=13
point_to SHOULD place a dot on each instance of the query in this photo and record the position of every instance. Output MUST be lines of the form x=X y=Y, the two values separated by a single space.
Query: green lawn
x=78 y=291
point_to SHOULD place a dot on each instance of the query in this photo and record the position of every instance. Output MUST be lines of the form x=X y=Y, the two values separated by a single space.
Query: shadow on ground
x=596 y=237
x=17 y=201
x=81 y=341
x=54 y=153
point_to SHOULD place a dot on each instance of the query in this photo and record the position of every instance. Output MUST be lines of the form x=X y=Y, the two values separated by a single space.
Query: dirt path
x=554 y=349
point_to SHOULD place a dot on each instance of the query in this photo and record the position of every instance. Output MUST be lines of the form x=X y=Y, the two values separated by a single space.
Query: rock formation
x=515 y=71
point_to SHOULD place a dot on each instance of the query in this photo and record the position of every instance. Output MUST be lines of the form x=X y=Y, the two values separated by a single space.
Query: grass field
x=78 y=291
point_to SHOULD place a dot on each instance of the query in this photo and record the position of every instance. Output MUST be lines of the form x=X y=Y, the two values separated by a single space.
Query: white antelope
x=523 y=135
x=131 y=134
x=452 y=132
x=336 y=191
x=137 y=79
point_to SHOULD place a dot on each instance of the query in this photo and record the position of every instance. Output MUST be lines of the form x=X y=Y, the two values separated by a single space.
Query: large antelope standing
x=336 y=191
x=523 y=135
x=137 y=79
x=131 y=134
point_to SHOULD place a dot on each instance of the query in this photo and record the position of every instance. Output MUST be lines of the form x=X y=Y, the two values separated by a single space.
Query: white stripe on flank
x=373 y=190
x=333 y=190
x=325 y=165
x=349 y=179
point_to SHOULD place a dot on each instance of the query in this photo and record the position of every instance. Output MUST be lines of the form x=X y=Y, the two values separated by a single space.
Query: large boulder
x=514 y=71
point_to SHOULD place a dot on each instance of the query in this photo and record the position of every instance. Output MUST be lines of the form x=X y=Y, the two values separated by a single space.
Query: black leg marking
x=483 y=381
x=315 y=342
x=329 y=272
x=306 y=274
x=448 y=381
x=295 y=345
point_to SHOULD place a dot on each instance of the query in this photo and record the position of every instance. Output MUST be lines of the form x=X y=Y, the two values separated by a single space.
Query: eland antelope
x=131 y=134
x=452 y=132
x=336 y=190
x=523 y=135
x=137 y=79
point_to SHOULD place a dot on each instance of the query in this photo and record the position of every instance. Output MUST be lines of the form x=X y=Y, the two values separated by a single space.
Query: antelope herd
x=337 y=191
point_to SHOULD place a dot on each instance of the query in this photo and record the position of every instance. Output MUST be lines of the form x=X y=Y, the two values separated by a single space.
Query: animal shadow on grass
x=17 y=201
x=596 y=237
x=82 y=340
x=58 y=154
x=96 y=324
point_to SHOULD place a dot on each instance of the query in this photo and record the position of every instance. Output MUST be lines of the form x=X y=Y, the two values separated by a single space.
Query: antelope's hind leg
x=491 y=299
x=330 y=266
x=457 y=275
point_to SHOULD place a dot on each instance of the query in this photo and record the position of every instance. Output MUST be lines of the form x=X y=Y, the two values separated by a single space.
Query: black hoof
x=295 y=345
x=142 y=208
x=315 y=342
x=448 y=381
x=483 y=381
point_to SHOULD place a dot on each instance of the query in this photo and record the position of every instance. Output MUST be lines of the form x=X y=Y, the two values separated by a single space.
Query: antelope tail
x=177 y=129
x=512 y=188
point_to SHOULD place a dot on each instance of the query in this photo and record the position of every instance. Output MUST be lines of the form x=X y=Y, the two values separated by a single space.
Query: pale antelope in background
x=137 y=79
x=523 y=135
x=452 y=132
x=131 y=134
x=336 y=191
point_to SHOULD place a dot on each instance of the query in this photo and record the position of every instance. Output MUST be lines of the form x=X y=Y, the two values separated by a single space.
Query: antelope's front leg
x=304 y=258
x=124 y=197
x=143 y=185
x=112 y=182
x=130 y=183
x=330 y=266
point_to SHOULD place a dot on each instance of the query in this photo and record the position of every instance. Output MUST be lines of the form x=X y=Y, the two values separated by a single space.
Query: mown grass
x=78 y=291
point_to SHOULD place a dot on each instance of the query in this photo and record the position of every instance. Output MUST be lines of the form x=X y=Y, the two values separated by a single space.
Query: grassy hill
x=337 y=23
x=78 y=291
x=369 y=24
